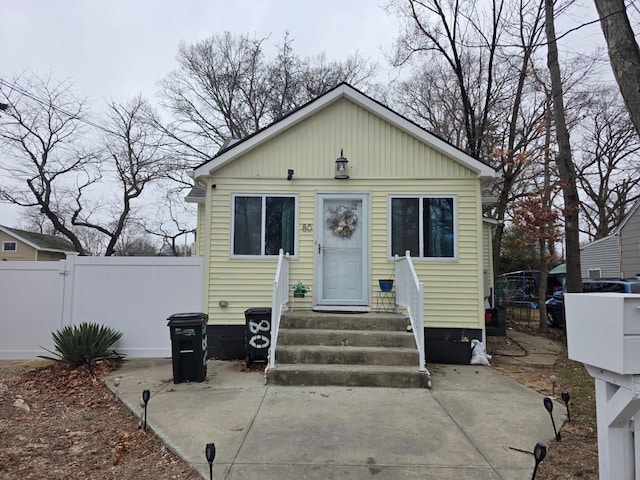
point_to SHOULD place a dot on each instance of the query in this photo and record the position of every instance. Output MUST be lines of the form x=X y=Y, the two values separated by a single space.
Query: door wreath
x=342 y=221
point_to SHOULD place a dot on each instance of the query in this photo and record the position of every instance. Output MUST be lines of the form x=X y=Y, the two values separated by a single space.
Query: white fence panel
x=134 y=295
x=30 y=307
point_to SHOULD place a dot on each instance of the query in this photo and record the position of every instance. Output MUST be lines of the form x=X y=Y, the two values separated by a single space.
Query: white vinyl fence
x=134 y=295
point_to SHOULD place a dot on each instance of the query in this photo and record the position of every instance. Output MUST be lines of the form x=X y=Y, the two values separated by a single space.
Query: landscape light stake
x=210 y=452
x=539 y=452
x=116 y=383
x=553 y=379
x=548 y=404
x=146 y=394
x=565 y=398
x=87 y=362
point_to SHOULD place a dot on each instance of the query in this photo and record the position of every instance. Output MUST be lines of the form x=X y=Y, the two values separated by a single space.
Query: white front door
x=342 y=247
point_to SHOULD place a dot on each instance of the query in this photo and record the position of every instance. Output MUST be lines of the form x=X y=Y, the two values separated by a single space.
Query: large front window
x=424 y=225
x=263 y=224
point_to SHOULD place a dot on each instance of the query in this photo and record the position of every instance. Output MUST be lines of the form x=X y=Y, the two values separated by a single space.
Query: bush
x=84 y=343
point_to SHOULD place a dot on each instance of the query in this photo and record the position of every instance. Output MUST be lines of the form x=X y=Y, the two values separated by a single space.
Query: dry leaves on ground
x=68 y=426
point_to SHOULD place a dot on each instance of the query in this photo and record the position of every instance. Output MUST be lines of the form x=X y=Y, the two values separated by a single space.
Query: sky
x=116 y=49
x=120 y=48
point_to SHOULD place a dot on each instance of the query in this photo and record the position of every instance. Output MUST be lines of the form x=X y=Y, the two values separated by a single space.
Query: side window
x=9 y=246
x=595 y=273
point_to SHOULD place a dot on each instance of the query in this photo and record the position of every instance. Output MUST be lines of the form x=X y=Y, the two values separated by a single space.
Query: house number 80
x=307 y=227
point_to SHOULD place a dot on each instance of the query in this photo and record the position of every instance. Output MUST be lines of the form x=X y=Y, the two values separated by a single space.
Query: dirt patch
x=58 y=422
x=576 y=455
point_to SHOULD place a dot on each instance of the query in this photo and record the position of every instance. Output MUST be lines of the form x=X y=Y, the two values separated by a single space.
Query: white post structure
x=603 y=332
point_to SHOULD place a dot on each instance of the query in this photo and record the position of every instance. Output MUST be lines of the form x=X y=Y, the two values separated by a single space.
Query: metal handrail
x=279 y=299
x=410 y=296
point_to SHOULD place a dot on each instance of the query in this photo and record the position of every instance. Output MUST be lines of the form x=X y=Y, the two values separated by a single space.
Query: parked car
x=555 y=305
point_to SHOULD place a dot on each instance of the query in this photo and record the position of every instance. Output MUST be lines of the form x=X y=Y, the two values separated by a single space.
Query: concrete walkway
x=526 y=349
x=472 y=424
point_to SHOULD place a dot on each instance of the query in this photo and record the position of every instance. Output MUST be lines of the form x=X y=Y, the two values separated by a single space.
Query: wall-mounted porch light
x=341 y=166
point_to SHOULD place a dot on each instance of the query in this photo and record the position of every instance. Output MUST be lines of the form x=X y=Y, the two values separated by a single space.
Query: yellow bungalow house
x=343 y=185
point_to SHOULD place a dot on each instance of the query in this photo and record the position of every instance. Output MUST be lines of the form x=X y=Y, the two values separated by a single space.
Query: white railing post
x=420 y=326
x=410 y=295
x=279 y=298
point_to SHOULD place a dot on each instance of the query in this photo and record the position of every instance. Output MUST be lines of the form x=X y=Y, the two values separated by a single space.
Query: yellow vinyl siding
x=451 y=286
x=247 y=282
x=374 y=150
x=383 y=161
x=487 y=247
x=200 y=229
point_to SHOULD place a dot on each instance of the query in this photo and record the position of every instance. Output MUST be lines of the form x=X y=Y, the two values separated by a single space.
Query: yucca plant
x=84 y=343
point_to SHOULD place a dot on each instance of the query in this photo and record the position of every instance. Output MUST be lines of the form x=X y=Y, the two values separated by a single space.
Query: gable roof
x=627 y=218
x=618 y=230
x=40 y=241
x=343 y=90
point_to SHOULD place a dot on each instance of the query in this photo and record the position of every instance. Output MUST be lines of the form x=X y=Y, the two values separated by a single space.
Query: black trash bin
x=189 y=346
x=257 y=334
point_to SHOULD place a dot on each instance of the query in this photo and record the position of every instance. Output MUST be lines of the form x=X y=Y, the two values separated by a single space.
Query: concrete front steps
x=350 y=349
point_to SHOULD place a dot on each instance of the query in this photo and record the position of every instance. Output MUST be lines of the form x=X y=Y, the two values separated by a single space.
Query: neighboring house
x=291 y=186
x=18 y=244
x=616 y=255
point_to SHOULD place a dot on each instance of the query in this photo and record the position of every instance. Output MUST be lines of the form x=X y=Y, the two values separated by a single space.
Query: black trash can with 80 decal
x=257 y=334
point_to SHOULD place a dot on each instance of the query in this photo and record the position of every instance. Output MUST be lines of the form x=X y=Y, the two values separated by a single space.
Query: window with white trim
x=263 y=224
x=424 y=225
x=595 y=273
x=9 y=246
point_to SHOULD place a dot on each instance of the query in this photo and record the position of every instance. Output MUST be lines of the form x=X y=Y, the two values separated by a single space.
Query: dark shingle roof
x=196 y=195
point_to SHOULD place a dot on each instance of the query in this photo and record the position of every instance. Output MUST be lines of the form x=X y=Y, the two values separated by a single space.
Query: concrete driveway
x=473 y=424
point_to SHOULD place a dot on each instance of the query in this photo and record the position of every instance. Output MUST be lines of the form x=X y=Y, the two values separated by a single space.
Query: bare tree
x=45 y=165
x=218 y=91
x=133 y=242
x=447 y=29
x=609 y=148
x=564 y=161
x=548 y=228
x=473 y=85
x=226 y=88
x=430 y=98
x=135 y=158
x=624 y=53
x=45 y=137
x=171 y=223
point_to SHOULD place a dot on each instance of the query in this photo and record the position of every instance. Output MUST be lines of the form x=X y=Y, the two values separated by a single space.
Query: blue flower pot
x=385 y=285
